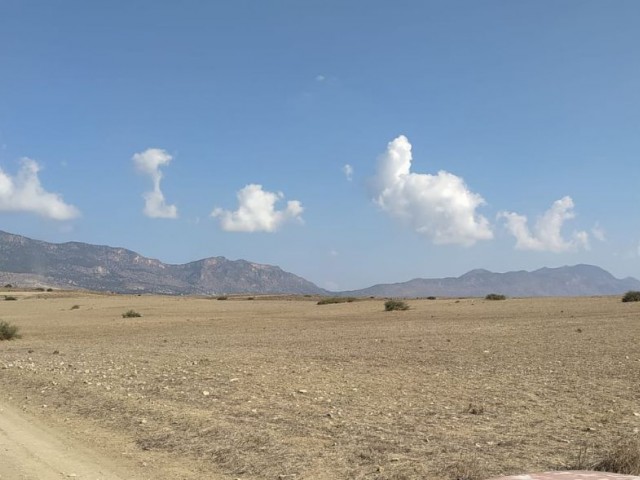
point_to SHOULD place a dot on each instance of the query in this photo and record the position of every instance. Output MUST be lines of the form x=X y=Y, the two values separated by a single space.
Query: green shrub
x=495 y=296
x=8 y=285
x=391 y=305
x=329 y=300
x=8 y=331
x=631 y=296
x=131 y=314
x=10 y=297
x=431 y=298
x=223 y=297
x=39 y=289
x=75 y=307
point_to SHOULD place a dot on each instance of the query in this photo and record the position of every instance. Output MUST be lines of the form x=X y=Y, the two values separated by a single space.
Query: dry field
x=285 y=388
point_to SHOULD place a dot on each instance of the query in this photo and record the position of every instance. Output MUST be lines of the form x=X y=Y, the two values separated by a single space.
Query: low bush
x=75 y=307
x=10 y=297
x=631 y=296
x=131 y=314
x=431 y=298
x=391 y=305
x=330 y=300
x=223 y=297
x=8 y=331
x=495 y=296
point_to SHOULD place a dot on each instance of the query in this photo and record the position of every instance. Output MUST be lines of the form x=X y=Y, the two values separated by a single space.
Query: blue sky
x=479 y=134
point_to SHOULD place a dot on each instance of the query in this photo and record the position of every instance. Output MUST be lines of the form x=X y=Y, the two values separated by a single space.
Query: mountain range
x=75 y=265
x=570 y=281
x=28 y=262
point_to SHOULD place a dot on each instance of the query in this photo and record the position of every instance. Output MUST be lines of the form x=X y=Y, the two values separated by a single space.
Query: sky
x=351 y=143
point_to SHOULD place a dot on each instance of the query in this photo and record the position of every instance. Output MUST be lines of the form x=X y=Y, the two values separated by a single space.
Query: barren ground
x=285 y=388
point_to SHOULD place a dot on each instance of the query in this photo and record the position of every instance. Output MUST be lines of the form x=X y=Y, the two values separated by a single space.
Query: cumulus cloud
x=24 y=193
x=348 y=171
x=547 y=232
x=440 y=206
x=149 y=163
x=257 y=211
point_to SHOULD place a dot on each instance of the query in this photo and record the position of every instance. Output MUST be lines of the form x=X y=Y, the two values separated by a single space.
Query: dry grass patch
x=622 y=457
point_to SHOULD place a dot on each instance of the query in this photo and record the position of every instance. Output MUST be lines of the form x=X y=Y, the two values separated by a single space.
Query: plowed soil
x=282 y=388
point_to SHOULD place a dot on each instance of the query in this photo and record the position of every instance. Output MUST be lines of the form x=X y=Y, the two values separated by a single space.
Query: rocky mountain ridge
x=102 y=268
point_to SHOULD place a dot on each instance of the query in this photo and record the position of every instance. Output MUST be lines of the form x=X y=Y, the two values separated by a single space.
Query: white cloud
x=441 y=207
x=149 y=163
x=348 y=171
x=320 y=78
x=256 y=211
x=547 y=235
x=598 y=233
x=24 y=193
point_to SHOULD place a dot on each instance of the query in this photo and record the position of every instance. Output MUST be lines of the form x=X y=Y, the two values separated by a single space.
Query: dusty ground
x=283 y=388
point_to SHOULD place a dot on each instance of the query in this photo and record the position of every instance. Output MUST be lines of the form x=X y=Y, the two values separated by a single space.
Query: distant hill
x=28 y=262
x=577 y=280
x=34 y=263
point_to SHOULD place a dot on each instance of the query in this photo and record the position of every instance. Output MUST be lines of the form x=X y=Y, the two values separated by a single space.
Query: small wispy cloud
x=149 y=163
x=257 y=211
x=348 y=171
x=547 y=232
x=440 y=207
x=599 y=233
x=24 y=193
x=320 y=78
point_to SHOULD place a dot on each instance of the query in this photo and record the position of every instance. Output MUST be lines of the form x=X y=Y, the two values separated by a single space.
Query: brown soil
x=285 y=388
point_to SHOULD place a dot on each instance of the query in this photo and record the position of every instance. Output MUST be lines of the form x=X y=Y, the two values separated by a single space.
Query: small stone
x=206 y=393
x=302 y=390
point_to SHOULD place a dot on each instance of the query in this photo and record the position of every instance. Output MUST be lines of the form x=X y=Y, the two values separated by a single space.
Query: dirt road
x=31 y=451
